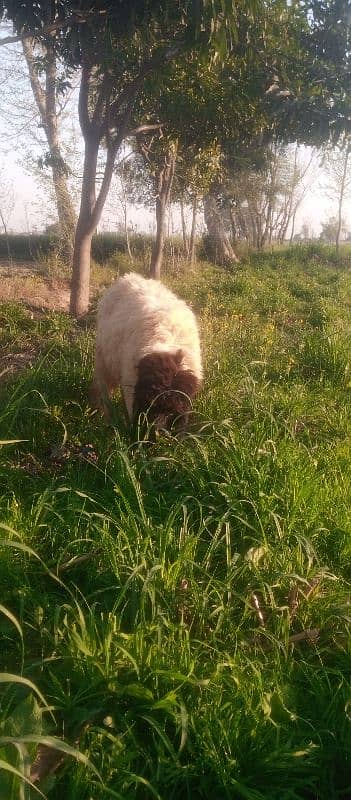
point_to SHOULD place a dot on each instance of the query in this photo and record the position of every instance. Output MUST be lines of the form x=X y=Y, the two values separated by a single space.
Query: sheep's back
x=138 y=316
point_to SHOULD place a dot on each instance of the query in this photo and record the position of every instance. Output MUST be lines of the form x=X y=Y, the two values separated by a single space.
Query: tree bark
x=164 y=187
x=91 y=206
x=79 y=301
x=2 y=218
x=124 y=204
x=185 y=238
x=110 y=121
x=220 y=245
x=192 y=250
x=45 y=99
x=80 y=284
x=341 y=198
x=158 y=248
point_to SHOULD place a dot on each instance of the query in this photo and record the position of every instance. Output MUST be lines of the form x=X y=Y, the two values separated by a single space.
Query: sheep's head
x=164 y=390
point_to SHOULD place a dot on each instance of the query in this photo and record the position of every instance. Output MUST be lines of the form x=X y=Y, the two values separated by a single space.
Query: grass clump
x=178 y=613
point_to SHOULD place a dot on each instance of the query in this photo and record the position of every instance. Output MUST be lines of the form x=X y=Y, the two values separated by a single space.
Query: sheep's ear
x=186 y=382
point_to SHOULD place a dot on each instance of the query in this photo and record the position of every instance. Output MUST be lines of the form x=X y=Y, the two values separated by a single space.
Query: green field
x=179 y=612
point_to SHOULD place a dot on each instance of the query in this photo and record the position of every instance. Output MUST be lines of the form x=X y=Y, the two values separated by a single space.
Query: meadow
x=175 y=615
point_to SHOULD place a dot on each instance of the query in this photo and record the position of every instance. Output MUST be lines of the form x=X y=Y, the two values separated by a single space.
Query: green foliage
x=159 y=595
x=25 y=247
x=105 y=246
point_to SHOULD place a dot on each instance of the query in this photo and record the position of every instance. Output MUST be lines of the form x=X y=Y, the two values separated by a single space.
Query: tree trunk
x=164 y=186
x=341 y=198
x=45 y=98
x=91 y=206
x=192 y=251
x=220 y=246
x=158 y=248
x=2 y=218
x=80 y=284
x=293 y=220
x=66 y=214
x=185 y=238
x=86 y=226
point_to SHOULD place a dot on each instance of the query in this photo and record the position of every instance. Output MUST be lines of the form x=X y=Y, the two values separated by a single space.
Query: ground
x=25 y=283
x=178 y=612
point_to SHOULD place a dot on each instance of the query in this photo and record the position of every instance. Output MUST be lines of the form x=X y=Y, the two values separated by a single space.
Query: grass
x=178 y=613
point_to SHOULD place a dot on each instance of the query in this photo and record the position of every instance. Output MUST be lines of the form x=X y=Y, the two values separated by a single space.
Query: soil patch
x=22 y=282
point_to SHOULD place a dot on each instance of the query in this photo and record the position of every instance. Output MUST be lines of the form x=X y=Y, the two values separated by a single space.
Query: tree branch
x=145 y=128
x=103 y=98
x=37 y=89
x=130 y=92
x=113 y=147
x=83 y=102
x=47 y=30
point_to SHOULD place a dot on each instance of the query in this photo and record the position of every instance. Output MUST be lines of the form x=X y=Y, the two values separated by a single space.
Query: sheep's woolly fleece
x=147 y=343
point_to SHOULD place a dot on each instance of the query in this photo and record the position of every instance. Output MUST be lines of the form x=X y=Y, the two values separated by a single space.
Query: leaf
x=13 y=771
x=11 y=441
x=163 y=736
x=8 y=677
x=25 y=549
x=25 y=719
x=53 y=743
x=274 y=708
x=12 y=619
x=137 y=691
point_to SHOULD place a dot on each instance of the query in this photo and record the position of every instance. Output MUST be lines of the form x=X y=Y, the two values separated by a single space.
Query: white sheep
x=147 y=342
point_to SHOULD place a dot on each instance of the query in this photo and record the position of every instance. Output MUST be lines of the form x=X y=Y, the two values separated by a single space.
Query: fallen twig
x=310 y=635
x=75 y=560
x=256 y=605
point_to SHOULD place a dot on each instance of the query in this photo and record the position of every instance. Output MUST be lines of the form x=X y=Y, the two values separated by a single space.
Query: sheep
x=147 y=342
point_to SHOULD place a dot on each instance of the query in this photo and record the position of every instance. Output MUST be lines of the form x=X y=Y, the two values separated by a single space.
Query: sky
x=26 y=199
x=29 y=212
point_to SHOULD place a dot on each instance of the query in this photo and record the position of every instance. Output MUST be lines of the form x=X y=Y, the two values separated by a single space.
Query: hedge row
x=28 y=247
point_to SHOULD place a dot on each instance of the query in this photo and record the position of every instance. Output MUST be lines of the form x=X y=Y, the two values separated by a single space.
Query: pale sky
x=29 y=211
x=26 y=199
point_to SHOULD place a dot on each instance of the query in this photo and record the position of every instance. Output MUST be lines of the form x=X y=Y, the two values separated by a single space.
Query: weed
x=178 y=612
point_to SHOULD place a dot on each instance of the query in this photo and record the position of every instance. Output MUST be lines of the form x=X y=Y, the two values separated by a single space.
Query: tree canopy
x=212 y=72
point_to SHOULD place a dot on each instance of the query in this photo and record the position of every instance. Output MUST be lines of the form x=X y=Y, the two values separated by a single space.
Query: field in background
x=179 y=612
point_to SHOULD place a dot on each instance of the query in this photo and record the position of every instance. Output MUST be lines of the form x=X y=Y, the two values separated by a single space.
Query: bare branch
x=146 y=128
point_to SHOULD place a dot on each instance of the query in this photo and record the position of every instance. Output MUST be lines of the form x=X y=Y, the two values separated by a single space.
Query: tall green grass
x=178 y=613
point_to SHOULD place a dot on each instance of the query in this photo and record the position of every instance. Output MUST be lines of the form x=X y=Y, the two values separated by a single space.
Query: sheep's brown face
x=164 y=391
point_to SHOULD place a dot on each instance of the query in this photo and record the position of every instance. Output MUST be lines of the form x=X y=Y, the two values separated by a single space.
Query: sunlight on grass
x=176 y=616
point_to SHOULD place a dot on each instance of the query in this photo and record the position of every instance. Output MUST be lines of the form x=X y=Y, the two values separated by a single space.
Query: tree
x=7 y=204
x=145 y=37
x=44 y=65
x=331 y=229
x=337 y=167
x=307 y=97
x=160 y=157
x=197 y=171
x=199 y=106
x=261 y=203
x=305 y=232
x=299 y=63
x=34 y=103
